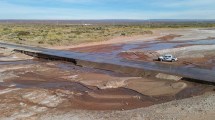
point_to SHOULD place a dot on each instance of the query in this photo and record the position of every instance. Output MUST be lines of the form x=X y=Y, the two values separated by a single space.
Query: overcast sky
x=107 y=9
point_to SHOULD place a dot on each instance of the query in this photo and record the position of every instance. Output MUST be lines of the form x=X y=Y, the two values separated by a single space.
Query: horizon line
x=108 y=19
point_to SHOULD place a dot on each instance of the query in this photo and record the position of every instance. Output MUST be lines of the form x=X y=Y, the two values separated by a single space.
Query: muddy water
x=117 y=64
x=159 y=45
x=42 y=82
x=51 y=76
x=115 y=54
x=150 y=45
x=90 y=97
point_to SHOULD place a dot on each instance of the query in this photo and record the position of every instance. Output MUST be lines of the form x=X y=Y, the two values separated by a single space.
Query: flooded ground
x=191 y=53
x=30 y=87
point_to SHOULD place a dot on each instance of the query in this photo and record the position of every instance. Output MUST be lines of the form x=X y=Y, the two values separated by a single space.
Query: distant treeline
x=167 y=23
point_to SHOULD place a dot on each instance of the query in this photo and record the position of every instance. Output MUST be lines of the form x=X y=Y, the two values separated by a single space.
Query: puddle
x=202 y=42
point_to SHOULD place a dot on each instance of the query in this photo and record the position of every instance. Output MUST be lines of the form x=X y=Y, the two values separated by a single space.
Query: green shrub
x=41 y=42
x=123 y=34
x=23 y=33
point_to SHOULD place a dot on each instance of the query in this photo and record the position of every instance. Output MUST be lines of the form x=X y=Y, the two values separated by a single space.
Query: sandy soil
x=121 y=39
x=158 y=34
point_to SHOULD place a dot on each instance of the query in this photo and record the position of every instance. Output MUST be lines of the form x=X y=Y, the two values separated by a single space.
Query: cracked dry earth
x=32 y=89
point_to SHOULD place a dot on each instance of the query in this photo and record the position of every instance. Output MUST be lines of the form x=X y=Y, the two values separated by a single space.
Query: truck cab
x=167 y=57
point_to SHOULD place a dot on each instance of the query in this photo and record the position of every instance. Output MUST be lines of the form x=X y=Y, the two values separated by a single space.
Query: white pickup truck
x=168 y=58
